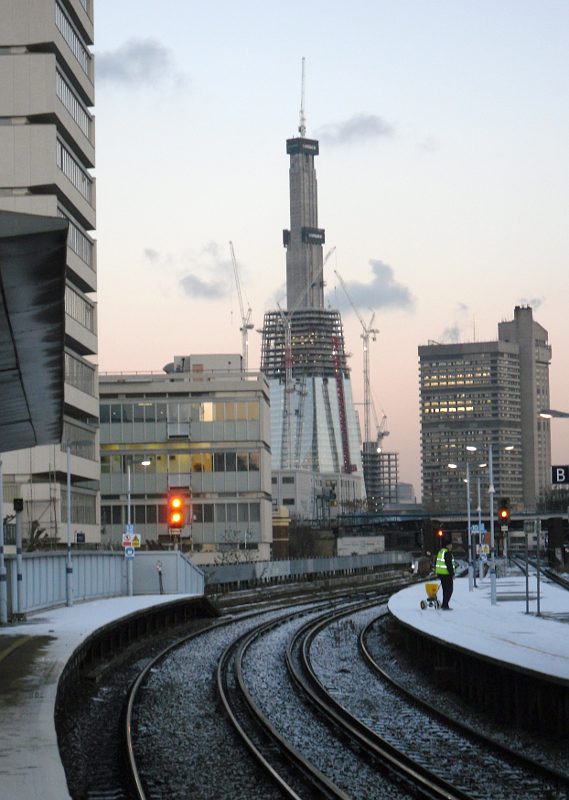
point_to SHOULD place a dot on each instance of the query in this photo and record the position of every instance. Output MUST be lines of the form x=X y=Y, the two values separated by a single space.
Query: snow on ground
x=504 y=631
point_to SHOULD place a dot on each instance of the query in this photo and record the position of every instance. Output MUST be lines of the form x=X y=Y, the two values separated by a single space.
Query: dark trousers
x=446 y=583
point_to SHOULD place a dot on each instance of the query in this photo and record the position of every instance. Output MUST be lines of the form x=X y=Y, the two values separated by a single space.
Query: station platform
x=498 y=633
x=33 y=655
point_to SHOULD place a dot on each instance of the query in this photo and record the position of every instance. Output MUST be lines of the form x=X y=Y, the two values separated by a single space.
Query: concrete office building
x=202 y=424
x=483 y=394
x=47 y=149
x=314 y=427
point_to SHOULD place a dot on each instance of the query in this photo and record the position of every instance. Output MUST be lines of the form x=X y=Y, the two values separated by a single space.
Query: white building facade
x=202 y=425
x=47 y=147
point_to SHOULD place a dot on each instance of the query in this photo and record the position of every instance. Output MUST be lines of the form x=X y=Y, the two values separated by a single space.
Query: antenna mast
x=302 y=120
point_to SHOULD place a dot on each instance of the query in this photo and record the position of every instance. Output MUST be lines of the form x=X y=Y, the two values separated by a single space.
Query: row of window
x=78 y=241
x=79 y=309
x=150 y=514
x=80 y=374
x=81 y=441
x=149 y=411
x=73 y=170
x=182 y=463
x=67 y=30
x=83 y=508
x=72 y=103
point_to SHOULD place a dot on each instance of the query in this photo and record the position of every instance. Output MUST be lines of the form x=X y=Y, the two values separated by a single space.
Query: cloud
x=451 y=335
x=210 y=262
x=383 y=291
x=196 y=287
x=534 y=303
x=152 y=255
x=359 y=128
x=137 y=62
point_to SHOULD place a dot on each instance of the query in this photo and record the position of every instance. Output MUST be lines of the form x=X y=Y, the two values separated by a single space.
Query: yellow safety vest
x=440 y=566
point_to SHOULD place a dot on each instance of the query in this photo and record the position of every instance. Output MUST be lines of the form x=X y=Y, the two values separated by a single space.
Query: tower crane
x=367 y=332
x=246 y=324
x=381 y=427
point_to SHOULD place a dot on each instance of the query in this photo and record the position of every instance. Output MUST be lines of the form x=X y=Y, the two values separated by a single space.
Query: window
x=288 y=479
x=72 y=103
x=73 y=171
x=77 y=240
x=72 y=38
x=288 y=501
x=80 y=374
x=79 y=309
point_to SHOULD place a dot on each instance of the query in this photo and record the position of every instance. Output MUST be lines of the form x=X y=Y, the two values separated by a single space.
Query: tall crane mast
x=367 y=332
x=246 y=324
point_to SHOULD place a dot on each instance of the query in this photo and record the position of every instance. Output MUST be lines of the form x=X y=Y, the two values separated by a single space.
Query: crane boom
x=367 y=332
x=246 y=324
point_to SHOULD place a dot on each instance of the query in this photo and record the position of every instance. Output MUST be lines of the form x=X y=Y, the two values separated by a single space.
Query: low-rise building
x=202 y=425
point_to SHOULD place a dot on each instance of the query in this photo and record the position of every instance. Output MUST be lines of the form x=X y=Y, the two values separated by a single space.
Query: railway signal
x=176 y=509
x=504 y=510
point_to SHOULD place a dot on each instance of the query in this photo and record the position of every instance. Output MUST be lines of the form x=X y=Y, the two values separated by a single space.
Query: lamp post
x=68 y=563
x=471 y=581
x=3 y=585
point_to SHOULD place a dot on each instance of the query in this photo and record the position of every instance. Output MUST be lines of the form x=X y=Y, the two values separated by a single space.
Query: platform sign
x=129 y=552
x=560 y=474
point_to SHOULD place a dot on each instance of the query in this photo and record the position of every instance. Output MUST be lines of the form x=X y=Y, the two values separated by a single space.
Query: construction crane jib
x=246 y=324
x=367 y=332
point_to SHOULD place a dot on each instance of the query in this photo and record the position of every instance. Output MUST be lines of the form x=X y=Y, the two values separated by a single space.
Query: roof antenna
x=302 y=120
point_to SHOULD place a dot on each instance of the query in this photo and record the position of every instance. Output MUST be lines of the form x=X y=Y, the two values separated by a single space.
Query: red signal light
x=440 y=533
x=176 y=510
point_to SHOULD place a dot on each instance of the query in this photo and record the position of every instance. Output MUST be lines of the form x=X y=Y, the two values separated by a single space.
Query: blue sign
x=129 y=552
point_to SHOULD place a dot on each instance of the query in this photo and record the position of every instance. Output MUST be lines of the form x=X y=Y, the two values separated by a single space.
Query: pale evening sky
x=442 y=177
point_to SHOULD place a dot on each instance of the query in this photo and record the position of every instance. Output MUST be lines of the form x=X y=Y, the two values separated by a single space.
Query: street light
x=471 y=582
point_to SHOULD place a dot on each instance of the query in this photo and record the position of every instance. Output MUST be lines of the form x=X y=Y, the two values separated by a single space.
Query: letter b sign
x=560 y=474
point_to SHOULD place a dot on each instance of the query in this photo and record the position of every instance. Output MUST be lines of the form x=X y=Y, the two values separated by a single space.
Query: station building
x=202 y=425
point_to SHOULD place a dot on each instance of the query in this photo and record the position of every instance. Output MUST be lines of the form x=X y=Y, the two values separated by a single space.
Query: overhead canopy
x=32 y=329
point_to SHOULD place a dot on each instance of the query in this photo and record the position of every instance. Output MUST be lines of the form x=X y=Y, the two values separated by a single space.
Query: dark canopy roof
x=32 y=329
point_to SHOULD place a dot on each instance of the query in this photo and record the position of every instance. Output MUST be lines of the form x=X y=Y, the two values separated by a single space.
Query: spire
x=302 y=119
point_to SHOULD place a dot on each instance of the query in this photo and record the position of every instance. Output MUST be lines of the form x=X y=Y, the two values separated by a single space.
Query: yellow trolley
x=432 y=599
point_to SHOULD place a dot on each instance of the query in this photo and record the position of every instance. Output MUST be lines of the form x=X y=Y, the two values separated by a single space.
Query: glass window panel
x=253 y=411
x=151 y=516
x=254 y=459
x=116 y=513
x=105 y=413
x=219 y=462
x=220 y=515
x=138 y=412
x=115 y=464
x=105 y=515
x=115 y=413
x=208 y=512
x=255 y=512
x=241 y=410
x=242 y=462
x=206 y=412
x=198 y=513
x=219 y=412
x=139 y=515
x=243 y=512
x=207 y=462
x=161 y=465
x=196 y=460
x=127 y=412
x=230 y=462
x=150 y=412
x=161 y=412
x=230 y=411
x=232 y=512
x=184 y=464
x=105 y=465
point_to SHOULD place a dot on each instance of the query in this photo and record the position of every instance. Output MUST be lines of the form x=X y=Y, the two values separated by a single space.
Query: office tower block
x=47 y=147
x=486 y=395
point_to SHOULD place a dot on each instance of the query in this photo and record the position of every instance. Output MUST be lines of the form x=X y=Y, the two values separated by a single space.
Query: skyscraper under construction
x=315 y=433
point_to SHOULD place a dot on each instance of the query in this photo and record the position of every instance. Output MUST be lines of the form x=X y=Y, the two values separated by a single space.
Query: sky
x=442 y=178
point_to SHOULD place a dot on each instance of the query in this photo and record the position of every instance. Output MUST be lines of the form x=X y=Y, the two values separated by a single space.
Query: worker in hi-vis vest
x=444 y=569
